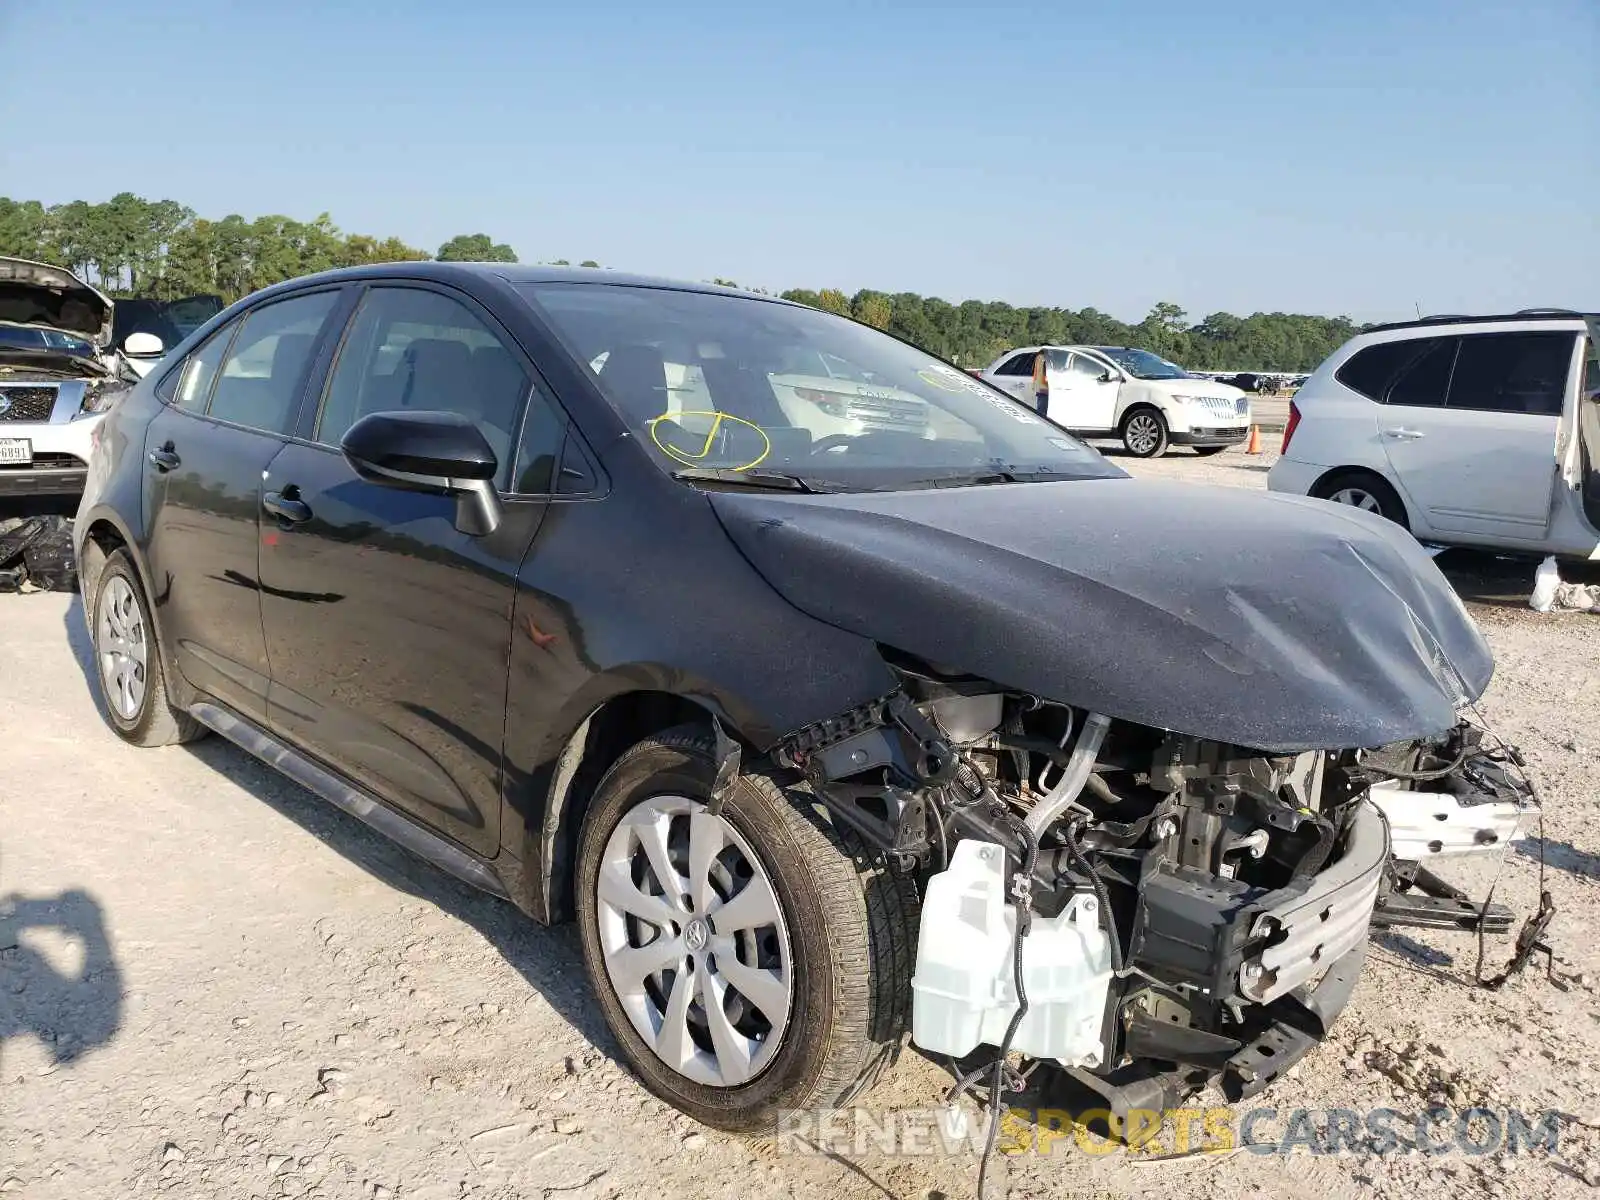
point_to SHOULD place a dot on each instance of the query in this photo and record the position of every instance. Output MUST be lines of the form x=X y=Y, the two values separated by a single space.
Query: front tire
x=797 y=996
x=1208 y=451
x=128 y=662
x=1144 y=432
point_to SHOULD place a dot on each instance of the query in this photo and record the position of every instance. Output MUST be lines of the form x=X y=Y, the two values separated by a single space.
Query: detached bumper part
x=1431 y=824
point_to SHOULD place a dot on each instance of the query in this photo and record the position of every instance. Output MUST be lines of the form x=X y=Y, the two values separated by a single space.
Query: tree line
x=130 y=246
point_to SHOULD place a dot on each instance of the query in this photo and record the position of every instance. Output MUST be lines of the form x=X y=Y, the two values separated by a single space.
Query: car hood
x=49 y=297
x=1267 y=621
x=1195 y=387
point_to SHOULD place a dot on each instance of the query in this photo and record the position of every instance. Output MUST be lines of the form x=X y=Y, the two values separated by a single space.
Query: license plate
x=16 y=452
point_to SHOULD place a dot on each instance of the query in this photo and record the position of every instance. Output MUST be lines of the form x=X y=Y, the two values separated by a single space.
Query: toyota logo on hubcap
x=696 y=935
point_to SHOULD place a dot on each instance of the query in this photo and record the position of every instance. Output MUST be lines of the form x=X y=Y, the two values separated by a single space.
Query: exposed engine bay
x=1179 y=912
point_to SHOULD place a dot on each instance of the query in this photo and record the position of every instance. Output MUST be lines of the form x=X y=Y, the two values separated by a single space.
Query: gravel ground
x=213 y=984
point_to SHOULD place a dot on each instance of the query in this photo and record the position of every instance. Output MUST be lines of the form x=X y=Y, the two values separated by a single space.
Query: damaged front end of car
x=1178 y=911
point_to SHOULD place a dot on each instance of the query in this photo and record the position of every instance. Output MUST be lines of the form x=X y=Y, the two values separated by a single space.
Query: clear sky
x=1348 y=156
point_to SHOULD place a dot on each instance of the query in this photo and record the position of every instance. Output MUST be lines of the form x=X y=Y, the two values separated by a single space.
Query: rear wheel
x=1144 y=432
x=128 y=662
x=748 y=961
x=1363 y=490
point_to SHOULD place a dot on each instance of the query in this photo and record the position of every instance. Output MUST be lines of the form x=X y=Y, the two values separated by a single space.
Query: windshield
x=732 y=384
x=1141 y=364
x=31 y=337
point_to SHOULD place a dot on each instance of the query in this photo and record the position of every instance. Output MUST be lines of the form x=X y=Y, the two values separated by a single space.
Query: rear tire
x=842 y=942
x=1363 y=490
x=128 y=662
x=1144 y=432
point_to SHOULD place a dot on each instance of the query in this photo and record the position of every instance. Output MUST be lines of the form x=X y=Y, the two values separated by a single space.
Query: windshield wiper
x=779 y=480
x=1009 y=474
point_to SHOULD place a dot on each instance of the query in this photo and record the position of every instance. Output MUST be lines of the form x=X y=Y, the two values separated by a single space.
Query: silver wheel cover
x=1358 y=498
x=694 y=941
x=1143 y=433
x=122 y=649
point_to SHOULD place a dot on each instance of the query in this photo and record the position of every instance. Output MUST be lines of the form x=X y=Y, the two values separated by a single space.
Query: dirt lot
x=213 y=984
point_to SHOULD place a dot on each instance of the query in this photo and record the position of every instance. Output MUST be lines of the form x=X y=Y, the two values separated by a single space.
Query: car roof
x=1526 y=314
x=515 y=273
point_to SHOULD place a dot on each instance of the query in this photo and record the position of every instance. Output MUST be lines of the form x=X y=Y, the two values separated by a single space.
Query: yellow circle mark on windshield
x=942 y=382
x=695 y=455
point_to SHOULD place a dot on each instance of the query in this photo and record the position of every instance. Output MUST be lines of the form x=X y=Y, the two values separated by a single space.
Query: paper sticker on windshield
x=710 y=439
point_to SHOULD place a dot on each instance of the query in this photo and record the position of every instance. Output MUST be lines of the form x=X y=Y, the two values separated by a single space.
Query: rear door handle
x=1404 y=435
x=287 y=506
x=165 y=459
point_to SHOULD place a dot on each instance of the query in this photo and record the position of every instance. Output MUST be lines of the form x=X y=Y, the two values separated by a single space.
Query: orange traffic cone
x=1253 y=446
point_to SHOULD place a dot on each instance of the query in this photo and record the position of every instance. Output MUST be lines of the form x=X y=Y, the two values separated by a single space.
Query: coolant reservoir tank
x=963 y=992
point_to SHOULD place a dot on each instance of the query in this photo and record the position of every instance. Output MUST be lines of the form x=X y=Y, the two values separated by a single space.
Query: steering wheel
x=826 y=444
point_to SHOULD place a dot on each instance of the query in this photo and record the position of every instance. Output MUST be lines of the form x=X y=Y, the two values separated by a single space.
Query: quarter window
x=1425 y=381
x=261 y=383
x=200 y=371
x=1371 y=371
x=1512 y=372
x=540 y=449
x=414 y=349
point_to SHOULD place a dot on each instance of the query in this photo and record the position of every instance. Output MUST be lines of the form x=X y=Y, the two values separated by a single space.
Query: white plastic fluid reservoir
x=963 y=991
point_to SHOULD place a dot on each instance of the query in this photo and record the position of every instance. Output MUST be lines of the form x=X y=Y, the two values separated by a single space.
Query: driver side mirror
x=1108 y=377
x=439 y=452
x=143 y=344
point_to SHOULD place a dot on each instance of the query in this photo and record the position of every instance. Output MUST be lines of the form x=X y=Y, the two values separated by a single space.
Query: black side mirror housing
x=441 y=452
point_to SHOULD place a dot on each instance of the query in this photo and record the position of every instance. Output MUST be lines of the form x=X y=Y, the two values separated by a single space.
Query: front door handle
x=287 y=506
x=165 y=459
x=1404 y=435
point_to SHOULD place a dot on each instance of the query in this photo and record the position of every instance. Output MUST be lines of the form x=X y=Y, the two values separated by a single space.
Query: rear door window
x=1017 y=364
x=261 y=382
x=1512 y=372
x=1424 y=382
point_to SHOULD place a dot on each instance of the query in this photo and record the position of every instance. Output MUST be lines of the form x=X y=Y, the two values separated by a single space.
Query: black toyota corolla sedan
x=832 y=691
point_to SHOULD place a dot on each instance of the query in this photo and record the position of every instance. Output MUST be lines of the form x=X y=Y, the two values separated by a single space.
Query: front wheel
x=1208 y=451
x=1144 y=432
x=748 y=961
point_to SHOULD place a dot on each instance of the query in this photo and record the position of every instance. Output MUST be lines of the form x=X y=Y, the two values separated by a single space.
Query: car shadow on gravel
x=548 y=958
x=77 y=628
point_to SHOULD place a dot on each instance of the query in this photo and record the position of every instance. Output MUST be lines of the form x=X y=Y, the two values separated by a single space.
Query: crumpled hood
x=53 y=298
x=1272 y=622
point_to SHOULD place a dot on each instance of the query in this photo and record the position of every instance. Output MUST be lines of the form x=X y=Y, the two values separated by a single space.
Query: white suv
x=1475 y=431
x=1119 y=391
